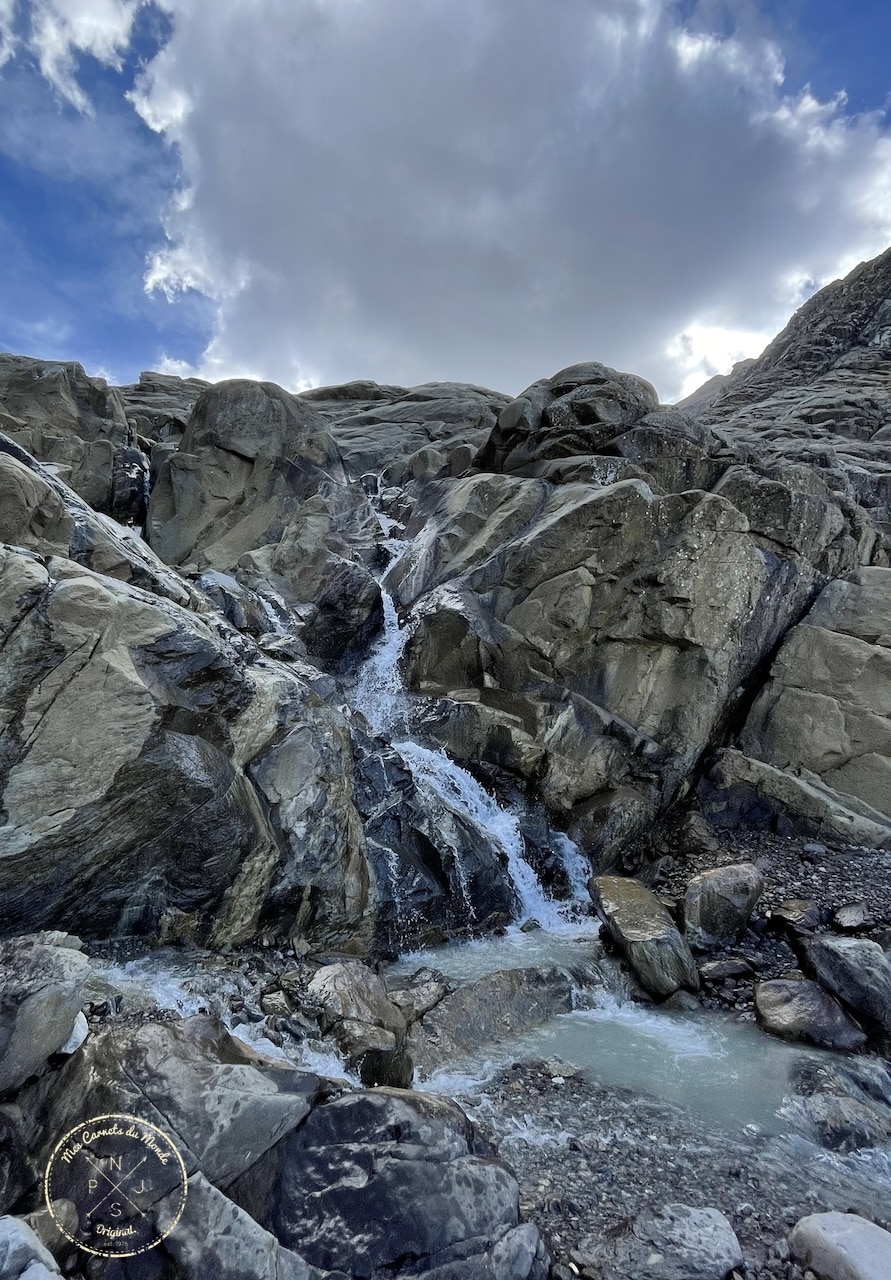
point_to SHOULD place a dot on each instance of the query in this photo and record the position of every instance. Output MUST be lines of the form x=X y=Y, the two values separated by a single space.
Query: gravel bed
x=590 y=1158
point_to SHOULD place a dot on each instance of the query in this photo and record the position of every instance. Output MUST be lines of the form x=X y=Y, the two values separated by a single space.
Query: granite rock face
x=817 y=742
x=819 y=397
x=129 y=726
x=604 y=599
x=74 y=423
x=257 y=487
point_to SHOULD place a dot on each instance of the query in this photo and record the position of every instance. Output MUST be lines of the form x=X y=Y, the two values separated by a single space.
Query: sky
x=484 y=191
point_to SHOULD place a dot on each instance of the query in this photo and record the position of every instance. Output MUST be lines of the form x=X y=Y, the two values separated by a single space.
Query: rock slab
x=644 y=932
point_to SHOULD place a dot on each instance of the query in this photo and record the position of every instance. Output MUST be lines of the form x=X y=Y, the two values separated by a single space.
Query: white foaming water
x=576 y=866
x=382 y=698
x=437 y=776
x=380 y=693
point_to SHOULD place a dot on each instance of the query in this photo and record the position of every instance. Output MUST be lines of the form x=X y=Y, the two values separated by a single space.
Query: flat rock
x=802 y=1010
x=646 y=935
x=842 y=1246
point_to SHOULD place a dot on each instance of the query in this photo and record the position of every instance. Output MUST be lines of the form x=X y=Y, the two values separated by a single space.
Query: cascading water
x=381 y=696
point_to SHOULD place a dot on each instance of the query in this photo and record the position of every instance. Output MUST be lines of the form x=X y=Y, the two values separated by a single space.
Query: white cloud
x=7 y=31
x=703 y=350
x=486 y=190
x=63 y=29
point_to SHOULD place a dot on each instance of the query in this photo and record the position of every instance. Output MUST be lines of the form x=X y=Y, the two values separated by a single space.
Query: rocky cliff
x=609 y=608
x=350 y=671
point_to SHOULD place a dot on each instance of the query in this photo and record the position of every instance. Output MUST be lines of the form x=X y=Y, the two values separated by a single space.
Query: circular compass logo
x=126 y=1180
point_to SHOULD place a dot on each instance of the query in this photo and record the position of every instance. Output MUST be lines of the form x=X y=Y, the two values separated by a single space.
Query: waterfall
x=383 y=699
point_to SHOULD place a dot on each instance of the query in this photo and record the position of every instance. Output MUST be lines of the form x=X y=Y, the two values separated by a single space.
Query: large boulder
x=395 y=434
x=487 y=1011
x=574 y=414
x=75 y=423
x=842 y=1246
x=224 y=1103
x=595 y=638
x=646 y=935
x=823 y=720
x=798 y=1009
x=858 y=971
x=41 y=993
x=356 y=1008
x=257 y=487
x=344 y=1189
x=128 y=726
x=718 y=904
x=22 y=1254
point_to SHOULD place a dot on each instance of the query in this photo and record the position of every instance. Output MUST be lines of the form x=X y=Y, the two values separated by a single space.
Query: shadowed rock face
x=816 y=747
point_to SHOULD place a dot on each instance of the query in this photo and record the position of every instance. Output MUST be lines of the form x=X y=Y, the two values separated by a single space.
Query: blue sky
x=477 y=190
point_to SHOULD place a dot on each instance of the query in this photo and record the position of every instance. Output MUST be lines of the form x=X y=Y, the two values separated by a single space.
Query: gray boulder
x=22 y=1256
x=797 y=1009
x=824 y=716
x=72 y=422
x=41 y=993
x=718 y=904
x=677 y=1242
x=356 y=1009
x=344 y=1189
x=396 y=434
x=573 y=414
x=646 y=935
x=842 y=1246
x=225 y=1104
x=257 y=487
x=857 y=971
x=487 y=1011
